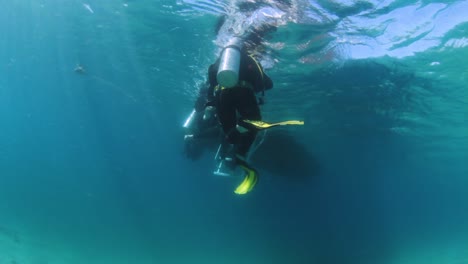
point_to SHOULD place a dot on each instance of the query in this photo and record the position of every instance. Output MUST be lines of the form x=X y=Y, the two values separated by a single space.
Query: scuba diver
x=227 y=107
x=236 y=104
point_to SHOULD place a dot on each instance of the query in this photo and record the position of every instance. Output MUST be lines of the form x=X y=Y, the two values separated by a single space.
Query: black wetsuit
x=239 y=99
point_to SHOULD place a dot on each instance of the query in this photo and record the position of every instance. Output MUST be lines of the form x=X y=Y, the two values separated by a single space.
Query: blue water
x=92 y=167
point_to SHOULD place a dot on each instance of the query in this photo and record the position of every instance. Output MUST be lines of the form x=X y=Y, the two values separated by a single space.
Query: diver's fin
x=264 y=125
x=251 y=178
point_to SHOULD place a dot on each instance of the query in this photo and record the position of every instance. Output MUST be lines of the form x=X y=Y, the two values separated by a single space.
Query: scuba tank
x=229 y=64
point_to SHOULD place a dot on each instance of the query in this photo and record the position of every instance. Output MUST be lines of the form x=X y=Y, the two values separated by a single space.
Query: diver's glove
x=210 y=103
x=260 y=100
x=209 y=113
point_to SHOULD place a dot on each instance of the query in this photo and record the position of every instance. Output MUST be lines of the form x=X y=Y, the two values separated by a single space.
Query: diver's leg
x=226 y=110
x=248 y=109
x=247 y=104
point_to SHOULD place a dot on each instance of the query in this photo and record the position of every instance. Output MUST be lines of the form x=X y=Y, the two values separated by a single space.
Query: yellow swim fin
x=264 y=125
x=249 y=182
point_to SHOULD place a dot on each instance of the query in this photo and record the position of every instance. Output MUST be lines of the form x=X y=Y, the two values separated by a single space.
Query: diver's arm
x=212 y=71
x=267 y=82
x=257 y=76
x=202 y=98
x=206 y=91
